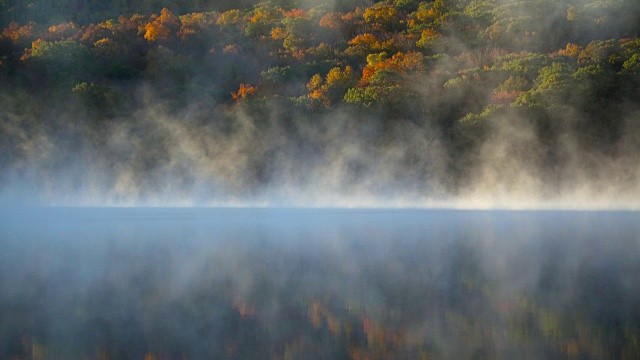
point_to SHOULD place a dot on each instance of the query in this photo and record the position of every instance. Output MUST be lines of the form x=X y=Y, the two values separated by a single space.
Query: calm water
x=318 y=284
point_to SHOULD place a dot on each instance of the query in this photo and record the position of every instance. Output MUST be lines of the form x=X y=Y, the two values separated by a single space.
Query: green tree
x=552 y=88
x=60 y=62
x=99 y=101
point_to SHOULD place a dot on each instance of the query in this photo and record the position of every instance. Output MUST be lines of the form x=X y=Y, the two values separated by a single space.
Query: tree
x=60 y=62
x=552 y=88
x=332 y=89
x=382 y=17
x=20 y=36
x=245 y=91
x=231 y=21
x=100 y=101
x=261 y=20
x=162 y=27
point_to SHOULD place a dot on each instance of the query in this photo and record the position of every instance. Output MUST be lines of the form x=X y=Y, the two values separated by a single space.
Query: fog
x=340 y=159
x=250 y=283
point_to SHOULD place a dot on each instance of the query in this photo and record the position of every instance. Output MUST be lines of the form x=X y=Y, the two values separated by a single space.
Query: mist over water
x=294 y=283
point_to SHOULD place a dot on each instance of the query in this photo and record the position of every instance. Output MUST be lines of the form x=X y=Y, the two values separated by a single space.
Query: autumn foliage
x=244 y=92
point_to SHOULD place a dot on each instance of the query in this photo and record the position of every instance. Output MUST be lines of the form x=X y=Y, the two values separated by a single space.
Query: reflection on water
x=325 y=284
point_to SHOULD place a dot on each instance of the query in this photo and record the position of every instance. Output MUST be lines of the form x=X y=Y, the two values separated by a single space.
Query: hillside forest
x=403 y=97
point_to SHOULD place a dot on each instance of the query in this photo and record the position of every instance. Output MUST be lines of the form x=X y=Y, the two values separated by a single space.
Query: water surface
x=169 y=283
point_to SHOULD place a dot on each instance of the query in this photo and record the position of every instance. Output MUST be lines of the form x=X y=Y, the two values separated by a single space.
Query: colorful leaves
x=245 y=91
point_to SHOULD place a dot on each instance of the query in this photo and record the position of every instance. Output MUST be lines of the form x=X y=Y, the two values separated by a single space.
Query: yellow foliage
x=315 y=82
x=278 y=33
x=374 y=59
x=338 y=77
x=263 y=15
x=381 y=15
x=231 y=17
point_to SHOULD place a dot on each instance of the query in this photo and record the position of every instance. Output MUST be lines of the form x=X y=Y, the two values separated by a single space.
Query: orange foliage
x=316 y=94
x=35 y=44
x=332 y=21
x=161 y=27
x=18 y=34
x=62 y=31
x=366 y=40
x=231 y=49
x=299 y=55
x=168 y=19
x=354 y=16
x=27 y=52
x=155 y=31
x=244 y=92
x=295 y=13
x=572 y=51
x=505 y=96
x=400 y=62
x=367 y=74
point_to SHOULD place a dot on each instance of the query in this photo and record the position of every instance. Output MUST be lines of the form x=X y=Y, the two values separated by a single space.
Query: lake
x=236 y=283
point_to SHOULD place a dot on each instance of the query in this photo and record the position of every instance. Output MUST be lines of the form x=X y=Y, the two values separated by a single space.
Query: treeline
x=451 y=65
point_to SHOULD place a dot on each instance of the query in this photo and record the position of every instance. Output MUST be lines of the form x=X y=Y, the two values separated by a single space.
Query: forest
x=434 y=97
